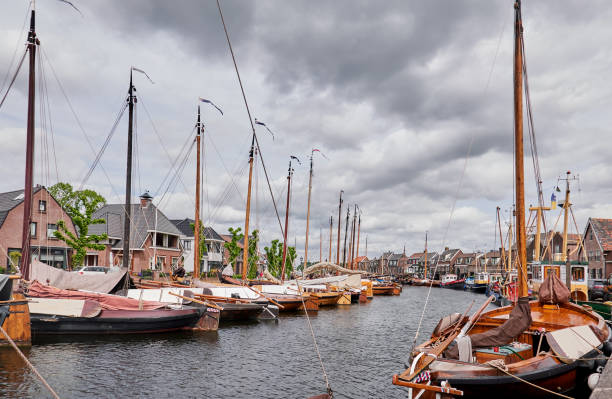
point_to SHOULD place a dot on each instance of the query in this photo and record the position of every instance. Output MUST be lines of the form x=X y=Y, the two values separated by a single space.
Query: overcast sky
x=391 y=92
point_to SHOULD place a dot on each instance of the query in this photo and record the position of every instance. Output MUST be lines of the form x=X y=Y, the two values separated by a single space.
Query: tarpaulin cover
x=106 y=301
x=518 y=321
x=330 y=267
x=100 y=282
x=553 y=291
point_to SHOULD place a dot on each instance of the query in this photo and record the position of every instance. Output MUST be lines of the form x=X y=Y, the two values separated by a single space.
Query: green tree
x=274 y=254
x=80 y=206
x=232 y=247
x=253 y=255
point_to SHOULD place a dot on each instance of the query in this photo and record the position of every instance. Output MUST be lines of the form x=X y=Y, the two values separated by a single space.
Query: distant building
x=598 y=247
x=154 y=240
x=46 y=212
x=447 y=260
x=213 y=259
x=551 y=246
x=362 y=262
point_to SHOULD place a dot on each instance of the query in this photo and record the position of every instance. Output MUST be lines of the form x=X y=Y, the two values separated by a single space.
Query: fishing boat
x=478 y=283
x=528 y=349
x=382 y=288
x=452 y=281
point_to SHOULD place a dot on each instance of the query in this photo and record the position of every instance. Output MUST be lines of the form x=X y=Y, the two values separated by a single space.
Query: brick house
x=432 y=259
x=361 y=262
x=448 y=257
x=46 y=212
x=598 y=247
x=466 y=263
x=154 y=240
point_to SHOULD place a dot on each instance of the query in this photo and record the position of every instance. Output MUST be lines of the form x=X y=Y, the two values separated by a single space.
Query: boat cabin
x=449 y=278
x=579 y=276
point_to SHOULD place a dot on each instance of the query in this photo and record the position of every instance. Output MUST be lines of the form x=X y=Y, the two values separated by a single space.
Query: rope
x=30 y=365
x=314 y=340
x=504 y=370
x=8 y=89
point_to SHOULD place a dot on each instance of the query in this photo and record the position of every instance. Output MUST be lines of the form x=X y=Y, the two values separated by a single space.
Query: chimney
x=145 y=199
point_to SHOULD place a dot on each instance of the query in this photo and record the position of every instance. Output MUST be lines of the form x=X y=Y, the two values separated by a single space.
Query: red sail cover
x=106 y=301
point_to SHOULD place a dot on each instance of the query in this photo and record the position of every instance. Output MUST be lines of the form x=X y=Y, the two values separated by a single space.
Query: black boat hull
x=119 y=322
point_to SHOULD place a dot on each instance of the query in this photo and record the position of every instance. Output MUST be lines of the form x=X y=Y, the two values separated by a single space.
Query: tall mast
x=518 y=145
x=348 y=211
x=29 y=166
x=331 y=225
x=308 y=211
x=358 y=232
x=425 y=256
x=353 y=236
x=196 y=224
x=339 y=223
x=245 y=250
x=128 y=181
x=502 y=257
x=290 y=172
x=566 y=205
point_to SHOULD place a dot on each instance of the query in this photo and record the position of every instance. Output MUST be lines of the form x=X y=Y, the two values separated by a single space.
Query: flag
x=553 y=201
x=264 y=125
x=211 y=103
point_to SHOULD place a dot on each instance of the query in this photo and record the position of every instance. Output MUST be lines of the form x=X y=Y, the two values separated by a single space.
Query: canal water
x=362 y=346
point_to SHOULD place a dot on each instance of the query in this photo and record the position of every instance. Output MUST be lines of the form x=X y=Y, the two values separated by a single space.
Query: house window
x=42 y=206
x=161 y=261
x=187 y=245
x=175 y=261
x=51 y=228
x=33 y=226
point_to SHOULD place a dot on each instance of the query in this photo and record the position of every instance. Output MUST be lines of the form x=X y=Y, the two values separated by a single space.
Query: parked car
x=597 y=289
x=92 y=270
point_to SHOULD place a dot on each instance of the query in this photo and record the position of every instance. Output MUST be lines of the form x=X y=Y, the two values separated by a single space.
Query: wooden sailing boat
x=538 y=342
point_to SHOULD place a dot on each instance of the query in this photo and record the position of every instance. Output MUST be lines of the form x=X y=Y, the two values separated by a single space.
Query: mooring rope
x=314 y=340
x=30 y=365
x=503 y=369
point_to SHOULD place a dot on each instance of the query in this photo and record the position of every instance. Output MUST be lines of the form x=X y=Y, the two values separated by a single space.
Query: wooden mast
x=128 y=182
x=308 y=210
x=353 y=237
x=348 y=211
x=566 y=205
x=358 y=233
x=290 y=172
x=245 y=249
x=339 y=223
x=30 y=141
x=331 y=226
x=518 y=145
x=502 y=256
x=196 y=223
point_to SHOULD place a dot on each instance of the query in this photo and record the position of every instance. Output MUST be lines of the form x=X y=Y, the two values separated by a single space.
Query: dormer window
x=42 y=206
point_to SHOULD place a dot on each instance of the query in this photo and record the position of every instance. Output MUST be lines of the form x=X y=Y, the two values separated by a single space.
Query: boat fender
x=607 y=348
x=593 y=380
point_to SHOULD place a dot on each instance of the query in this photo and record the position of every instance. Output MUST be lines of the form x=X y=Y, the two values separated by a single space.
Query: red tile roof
x=603 y=230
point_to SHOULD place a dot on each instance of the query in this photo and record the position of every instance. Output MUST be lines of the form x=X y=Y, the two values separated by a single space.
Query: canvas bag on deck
x=553 y=291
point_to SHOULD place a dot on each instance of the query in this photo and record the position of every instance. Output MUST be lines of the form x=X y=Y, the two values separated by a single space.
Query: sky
x=410 y=102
